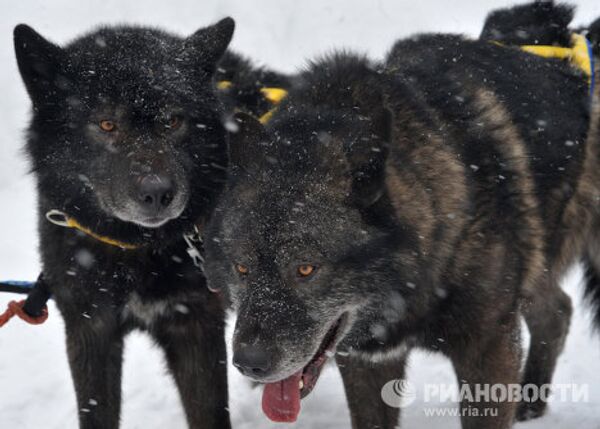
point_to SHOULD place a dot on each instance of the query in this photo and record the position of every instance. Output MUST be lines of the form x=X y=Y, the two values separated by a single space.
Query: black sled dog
x=548 y=23
x=129 y=151
x=424 y=202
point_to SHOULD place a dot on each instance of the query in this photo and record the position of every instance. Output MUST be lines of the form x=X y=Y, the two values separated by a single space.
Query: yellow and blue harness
x=579 y=55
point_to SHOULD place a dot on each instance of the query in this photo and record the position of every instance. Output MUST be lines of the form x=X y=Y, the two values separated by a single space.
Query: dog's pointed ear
x=41 y=63
x=245 y=141
x=207 y=45
x=368 y=160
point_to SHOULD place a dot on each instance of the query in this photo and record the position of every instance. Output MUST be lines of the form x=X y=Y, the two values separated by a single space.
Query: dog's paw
x=530 y=410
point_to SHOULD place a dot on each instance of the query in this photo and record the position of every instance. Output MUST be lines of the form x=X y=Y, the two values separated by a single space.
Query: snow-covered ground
x=35 y=386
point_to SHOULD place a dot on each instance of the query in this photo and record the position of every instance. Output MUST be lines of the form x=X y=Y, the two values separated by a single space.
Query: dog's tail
x=542 y=22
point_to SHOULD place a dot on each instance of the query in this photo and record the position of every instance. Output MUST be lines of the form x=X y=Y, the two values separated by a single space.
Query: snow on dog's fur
x=115 y=143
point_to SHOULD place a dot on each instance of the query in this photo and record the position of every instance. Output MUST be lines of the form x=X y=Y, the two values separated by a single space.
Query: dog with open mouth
x=412 y=203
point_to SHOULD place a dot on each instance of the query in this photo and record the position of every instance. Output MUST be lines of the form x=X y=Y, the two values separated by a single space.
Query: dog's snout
x=155 y=191
x=252 y=360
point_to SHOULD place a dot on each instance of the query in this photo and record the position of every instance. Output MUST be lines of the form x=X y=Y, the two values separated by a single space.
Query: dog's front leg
x=196 y=355
x=486 y=368
x=363 y=381
x=95 y=351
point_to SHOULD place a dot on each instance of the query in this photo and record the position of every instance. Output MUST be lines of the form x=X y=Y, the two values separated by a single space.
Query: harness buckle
x=57 y=218
x=193 y=241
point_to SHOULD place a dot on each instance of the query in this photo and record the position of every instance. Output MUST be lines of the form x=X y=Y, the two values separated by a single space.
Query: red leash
x=15 y=308
x=32 y=310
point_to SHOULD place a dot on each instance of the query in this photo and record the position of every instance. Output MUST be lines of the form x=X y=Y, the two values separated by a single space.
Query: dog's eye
x=306 y=270
x=173 y=122
x=107 y=126
x=242 y=269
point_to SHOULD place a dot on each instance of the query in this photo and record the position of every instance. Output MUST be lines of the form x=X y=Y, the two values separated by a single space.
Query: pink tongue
x=281 y=400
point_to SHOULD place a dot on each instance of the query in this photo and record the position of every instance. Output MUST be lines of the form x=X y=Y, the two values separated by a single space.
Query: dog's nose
x=155 y=191
x=252 y=360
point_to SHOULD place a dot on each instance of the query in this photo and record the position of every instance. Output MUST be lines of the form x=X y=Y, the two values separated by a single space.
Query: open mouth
x=281 y=399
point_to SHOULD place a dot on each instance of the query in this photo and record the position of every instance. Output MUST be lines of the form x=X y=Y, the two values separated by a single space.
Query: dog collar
x=60 y=218
x=193 y=239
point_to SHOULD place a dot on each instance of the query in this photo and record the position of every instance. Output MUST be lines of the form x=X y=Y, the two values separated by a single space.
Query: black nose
x=155 y=191
x=252 y=360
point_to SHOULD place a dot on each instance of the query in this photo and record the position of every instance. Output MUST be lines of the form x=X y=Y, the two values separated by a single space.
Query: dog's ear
x=42 y=64
x=368 y=158
x=206 y=46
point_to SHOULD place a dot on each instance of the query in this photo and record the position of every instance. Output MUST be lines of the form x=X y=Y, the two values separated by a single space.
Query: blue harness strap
x=592 y=65
x=16 y=286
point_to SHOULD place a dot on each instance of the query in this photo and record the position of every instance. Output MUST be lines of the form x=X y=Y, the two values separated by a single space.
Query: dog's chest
x=146 y=312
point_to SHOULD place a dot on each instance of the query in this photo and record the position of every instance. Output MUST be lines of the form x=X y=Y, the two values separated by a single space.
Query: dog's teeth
x=301 y=384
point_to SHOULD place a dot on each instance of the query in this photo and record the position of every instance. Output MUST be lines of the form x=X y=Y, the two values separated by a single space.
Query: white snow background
x=35 y=385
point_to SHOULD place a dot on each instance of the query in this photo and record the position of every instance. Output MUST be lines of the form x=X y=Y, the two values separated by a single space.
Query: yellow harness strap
x=223 y=84
x=578 y=54
x=61 y=219
x=273 y=95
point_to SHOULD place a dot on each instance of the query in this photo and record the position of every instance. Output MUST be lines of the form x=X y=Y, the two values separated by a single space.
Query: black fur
x=545 y=21
x=431 y=196
x=539 y=23
x=164 y=138
x=594 y=34
x=592 y=290
x=247 y=80
x=542 y=22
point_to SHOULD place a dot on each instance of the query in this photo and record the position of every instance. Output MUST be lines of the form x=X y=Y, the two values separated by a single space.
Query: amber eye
x=107 y=126
x=242 y=269
x=173 y=122
x=306 y=270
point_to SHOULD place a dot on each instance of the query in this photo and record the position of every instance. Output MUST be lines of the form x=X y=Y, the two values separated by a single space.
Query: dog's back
x=546 y=99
